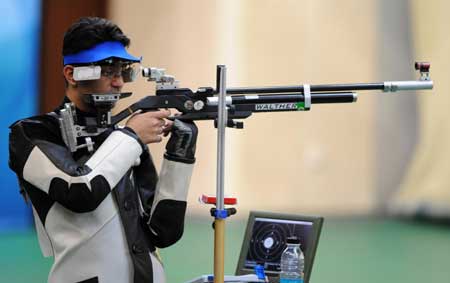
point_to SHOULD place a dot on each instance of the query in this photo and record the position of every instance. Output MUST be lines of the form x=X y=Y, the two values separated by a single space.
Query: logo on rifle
x=280 y=106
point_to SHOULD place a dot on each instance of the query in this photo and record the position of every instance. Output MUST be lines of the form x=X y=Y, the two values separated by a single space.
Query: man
x=101 y=211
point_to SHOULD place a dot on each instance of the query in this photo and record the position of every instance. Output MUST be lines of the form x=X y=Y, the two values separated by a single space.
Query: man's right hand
x=149 y=126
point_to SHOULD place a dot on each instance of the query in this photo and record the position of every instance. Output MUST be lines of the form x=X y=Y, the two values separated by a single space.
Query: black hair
x=90 y=31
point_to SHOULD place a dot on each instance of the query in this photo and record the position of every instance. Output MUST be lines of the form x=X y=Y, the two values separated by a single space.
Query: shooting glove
x=181 y=145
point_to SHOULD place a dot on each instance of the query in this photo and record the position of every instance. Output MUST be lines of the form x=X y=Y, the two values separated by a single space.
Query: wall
x=318 y=162
x=425 y=190
x=19 y=45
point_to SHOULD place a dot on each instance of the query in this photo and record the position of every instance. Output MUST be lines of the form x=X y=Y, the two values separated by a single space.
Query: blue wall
x=19 y=73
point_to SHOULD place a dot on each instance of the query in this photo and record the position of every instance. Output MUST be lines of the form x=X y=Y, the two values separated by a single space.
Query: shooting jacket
x=100 y=215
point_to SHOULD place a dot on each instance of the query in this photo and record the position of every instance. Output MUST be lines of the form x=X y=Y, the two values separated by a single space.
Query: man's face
x=112 y=79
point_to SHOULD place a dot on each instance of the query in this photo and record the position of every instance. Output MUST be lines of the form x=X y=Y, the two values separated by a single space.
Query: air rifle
x=241 y=102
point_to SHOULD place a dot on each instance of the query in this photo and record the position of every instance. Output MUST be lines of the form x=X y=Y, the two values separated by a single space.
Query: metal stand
x=220 y=212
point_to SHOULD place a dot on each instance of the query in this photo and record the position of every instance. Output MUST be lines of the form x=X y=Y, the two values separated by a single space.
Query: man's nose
x=117 y=81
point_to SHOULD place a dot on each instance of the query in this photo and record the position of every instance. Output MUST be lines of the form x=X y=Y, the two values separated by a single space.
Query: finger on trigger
x=166 y=112
x=162 y=114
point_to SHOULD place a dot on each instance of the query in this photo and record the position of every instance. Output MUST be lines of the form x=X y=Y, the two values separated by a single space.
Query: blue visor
x=102 y=51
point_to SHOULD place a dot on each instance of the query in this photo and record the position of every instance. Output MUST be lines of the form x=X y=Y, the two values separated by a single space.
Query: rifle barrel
x=299 y=88
x=389 y=86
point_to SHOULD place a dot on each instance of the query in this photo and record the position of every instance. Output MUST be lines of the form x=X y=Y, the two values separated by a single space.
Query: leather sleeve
x=39 y=158
x=166 y=221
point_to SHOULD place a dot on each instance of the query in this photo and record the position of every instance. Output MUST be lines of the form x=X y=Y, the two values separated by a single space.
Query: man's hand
x=182 y=142
x=149 y=126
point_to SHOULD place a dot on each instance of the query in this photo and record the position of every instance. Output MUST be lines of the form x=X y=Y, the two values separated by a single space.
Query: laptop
x=265 y=240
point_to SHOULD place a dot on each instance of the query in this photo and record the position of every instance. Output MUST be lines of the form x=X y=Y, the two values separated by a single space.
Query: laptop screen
x=265 y=241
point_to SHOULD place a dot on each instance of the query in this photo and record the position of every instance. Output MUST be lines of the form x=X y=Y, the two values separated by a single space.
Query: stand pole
x=219 y=222
x=221 y=214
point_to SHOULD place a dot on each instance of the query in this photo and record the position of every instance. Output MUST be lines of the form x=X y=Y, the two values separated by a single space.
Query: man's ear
x=68 y=75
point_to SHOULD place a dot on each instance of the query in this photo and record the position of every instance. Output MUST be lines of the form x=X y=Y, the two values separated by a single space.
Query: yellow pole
x=219 y=250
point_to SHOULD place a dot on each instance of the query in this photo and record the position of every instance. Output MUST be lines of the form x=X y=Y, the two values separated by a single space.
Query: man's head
x=95 y=59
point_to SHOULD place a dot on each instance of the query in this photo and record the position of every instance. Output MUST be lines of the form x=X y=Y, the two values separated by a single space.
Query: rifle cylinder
x=316 y=98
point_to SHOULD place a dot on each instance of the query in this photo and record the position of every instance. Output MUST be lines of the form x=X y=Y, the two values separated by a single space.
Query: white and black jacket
x=99 y=215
